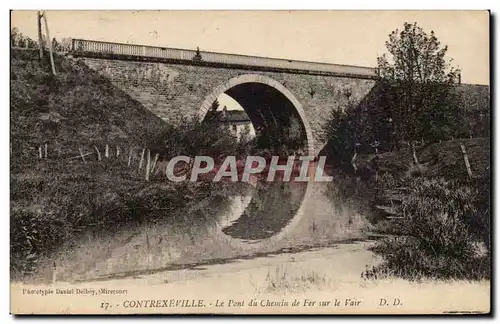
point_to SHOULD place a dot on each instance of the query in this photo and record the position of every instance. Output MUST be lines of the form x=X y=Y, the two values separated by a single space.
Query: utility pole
x=49 y=41
x=40 y=38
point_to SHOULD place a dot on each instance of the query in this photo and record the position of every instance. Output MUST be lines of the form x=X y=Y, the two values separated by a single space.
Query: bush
x=439 y=235
x=191 y=137
x=405 y=258
x=32 y=234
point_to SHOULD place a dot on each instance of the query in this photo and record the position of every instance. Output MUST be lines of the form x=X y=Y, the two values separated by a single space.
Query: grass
x=54 y=200
x=50 y=209
x=76 y=108
x=439 y=219
x=444 y=233
x=279 y=280
x=437 y=160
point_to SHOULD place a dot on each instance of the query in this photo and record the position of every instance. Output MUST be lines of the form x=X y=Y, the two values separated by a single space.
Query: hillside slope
x=443 y=159
x=55 y=201
x=76 y=108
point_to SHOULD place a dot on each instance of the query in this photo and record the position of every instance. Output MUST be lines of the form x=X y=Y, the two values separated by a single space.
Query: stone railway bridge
x=173 y=83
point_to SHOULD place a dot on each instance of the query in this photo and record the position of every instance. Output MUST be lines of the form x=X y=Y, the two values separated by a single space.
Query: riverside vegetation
x=55 y=199
x=405 y=152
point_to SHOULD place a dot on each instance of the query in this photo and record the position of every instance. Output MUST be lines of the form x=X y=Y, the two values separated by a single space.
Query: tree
x=420 y=79
x=245 y=134
x=66 y=44
x=342 y=131
x=17 y=39
x=213 y=115
x=14 y=37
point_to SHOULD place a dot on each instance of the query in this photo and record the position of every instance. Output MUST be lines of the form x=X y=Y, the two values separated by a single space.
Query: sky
x=341 y=37
x=228 y=102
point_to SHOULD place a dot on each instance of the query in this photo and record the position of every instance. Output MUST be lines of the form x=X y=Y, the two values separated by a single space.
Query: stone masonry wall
x=175 y=90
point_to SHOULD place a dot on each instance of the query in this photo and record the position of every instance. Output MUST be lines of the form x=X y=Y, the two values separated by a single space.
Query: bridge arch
x=259 y=89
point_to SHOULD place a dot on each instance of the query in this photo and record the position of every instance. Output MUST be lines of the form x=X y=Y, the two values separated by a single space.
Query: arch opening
x=276 y=115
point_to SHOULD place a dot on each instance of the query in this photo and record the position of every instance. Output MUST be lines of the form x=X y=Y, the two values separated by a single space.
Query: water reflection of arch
x=267 y=211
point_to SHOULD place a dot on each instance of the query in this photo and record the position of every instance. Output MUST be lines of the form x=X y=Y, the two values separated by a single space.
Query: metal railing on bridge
x=90 y=46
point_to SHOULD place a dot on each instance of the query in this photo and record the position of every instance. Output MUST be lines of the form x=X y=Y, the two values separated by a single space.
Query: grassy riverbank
x=440 y=229
x=432 y=221
x=54 y=206
x=56 y=198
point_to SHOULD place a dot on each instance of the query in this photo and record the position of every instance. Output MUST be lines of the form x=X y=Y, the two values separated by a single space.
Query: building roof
x=229 y=116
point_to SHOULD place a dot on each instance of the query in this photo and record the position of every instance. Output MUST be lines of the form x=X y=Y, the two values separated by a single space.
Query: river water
x=255 y=221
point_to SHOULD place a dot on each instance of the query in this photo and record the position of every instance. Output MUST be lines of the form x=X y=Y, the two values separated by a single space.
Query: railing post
x=466 y=161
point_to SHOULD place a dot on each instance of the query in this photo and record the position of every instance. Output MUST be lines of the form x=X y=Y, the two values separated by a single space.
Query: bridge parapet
x=184 y=56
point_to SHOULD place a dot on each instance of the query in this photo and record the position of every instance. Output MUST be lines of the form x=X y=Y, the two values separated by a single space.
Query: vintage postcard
x=250 y=162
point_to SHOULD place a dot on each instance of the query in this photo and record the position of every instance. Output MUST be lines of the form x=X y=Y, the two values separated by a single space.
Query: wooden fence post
x=98 y=153
x=148 y=254
x=106 y=152
x=40 y=152
x=148 y=164
x=466 y=160
x=54 y=272
x=40 y=37
x=45 y=151
x=353 y=162
x=49 y=43
x=142 y=158
x=117 y=151
x=414 y=153
x=155 y=160
x=130 y=156
x=81 y=154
